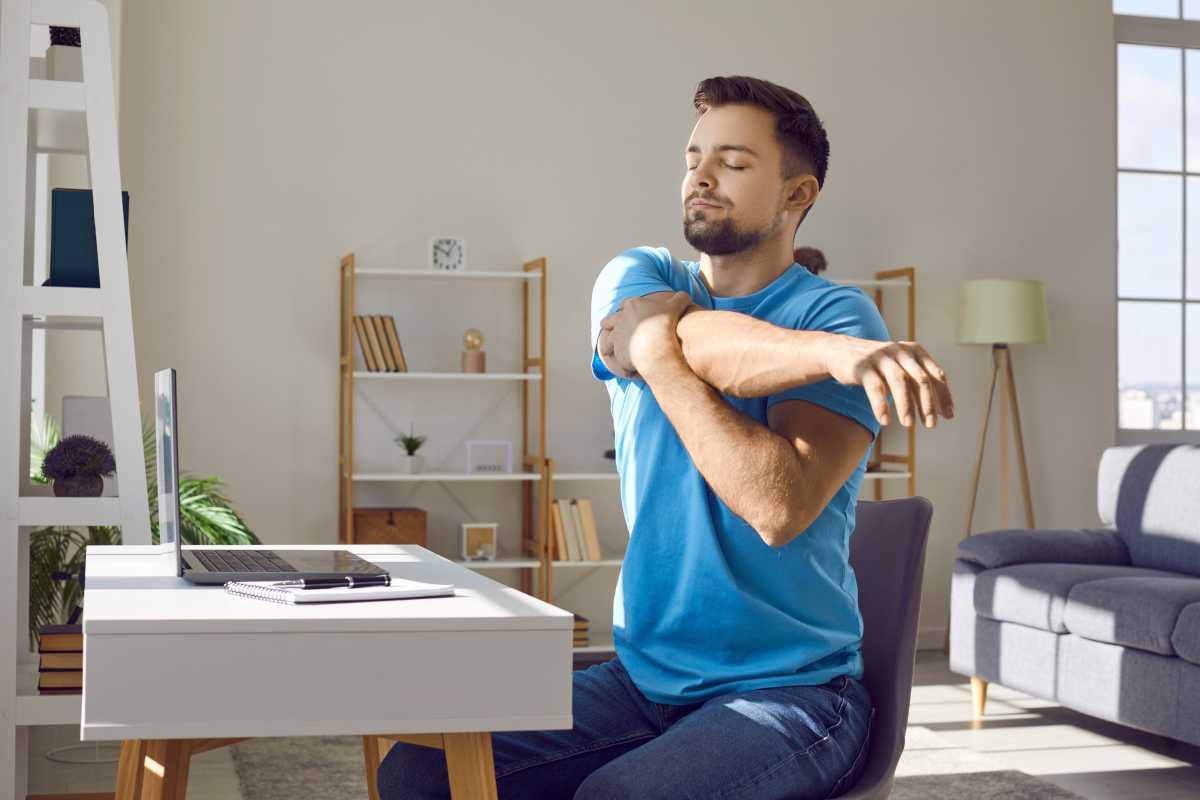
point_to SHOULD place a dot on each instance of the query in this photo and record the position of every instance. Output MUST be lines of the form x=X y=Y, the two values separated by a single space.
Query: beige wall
x=262 y=140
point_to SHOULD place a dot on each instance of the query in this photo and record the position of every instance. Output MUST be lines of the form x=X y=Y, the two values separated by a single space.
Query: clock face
x=449 y=254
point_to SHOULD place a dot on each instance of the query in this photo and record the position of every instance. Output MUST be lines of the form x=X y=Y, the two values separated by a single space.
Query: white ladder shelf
x=24 y=307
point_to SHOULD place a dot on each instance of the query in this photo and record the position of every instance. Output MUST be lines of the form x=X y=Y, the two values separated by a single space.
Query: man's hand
x=914 y=379
x=642 y=332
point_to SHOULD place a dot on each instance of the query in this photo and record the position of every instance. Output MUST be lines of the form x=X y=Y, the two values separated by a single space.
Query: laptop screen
x=166 y=447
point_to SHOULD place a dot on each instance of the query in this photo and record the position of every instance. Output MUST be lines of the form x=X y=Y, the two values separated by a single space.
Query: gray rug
x=331 y=768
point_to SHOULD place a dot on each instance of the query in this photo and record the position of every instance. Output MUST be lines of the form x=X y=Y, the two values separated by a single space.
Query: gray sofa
x=1103 y=620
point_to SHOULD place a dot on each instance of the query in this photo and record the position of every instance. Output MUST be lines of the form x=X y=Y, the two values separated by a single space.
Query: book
x=560 y=541
x=361 y=334
x=590 y=534
x=63 y=679
x=400 y=589
x=380 y=364
x=381 y=334
x=49 y=662
x=568 y=523
x=576 y=517
x=389 y=327
x=60 y=639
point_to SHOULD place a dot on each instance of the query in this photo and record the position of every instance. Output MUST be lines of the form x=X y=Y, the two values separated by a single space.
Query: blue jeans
x=786 y=742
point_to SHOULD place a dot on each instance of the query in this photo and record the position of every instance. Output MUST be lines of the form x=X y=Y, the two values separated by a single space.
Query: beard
x=722 y=237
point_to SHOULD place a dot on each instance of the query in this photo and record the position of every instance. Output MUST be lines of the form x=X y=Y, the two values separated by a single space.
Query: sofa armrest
x=1025 y=546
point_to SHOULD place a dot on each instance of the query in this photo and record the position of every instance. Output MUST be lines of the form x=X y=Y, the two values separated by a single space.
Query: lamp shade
x=1003 y=311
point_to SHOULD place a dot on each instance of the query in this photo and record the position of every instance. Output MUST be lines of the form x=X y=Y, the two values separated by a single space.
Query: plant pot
x=79 y=486
x=411 y=465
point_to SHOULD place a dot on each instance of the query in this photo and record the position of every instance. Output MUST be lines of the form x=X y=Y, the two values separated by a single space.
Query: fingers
x=877 y=394
x=927 y=403
x=941 y=385
x=897 y=381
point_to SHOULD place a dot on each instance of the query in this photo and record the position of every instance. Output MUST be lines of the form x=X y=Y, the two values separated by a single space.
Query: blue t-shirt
x=703 y=606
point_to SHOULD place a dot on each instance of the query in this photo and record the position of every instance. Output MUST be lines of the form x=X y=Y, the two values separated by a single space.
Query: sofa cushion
x=1136 y=611
x=1186 y=636
x=1035 y=594
x=1025 y=546
x=1148 y=493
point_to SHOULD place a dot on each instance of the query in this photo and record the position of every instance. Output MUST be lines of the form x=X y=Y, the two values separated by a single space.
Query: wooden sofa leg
x=978 y=696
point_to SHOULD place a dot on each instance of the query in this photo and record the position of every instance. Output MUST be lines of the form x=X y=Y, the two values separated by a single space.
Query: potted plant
x=56 y=554
x=410 y=463
x=77 y=466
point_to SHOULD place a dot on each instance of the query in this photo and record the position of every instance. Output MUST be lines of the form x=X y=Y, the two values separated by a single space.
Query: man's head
x=758 y=152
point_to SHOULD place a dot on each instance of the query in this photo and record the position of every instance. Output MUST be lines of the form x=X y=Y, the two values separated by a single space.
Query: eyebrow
x=739 y=147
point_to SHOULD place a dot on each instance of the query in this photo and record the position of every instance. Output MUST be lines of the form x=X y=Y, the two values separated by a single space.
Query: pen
x=345 y=582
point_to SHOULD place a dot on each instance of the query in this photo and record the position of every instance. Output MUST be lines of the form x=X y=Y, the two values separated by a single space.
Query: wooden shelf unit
x=535 y=504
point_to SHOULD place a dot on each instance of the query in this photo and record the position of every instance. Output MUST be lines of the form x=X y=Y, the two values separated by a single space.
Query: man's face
x=733 y=161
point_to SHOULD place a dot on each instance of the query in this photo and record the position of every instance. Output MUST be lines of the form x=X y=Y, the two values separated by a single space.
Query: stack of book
x=379 y=344
x=60 y=659
x=581 y=631
x=573 y=530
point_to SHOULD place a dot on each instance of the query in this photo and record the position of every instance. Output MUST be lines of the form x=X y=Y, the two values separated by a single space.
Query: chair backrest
x=887 y=552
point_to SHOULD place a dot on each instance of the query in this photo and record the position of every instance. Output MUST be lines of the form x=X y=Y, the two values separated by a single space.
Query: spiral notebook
x=400 y=589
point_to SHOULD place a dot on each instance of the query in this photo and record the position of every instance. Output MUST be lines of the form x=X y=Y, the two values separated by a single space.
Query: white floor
x=1091 y=758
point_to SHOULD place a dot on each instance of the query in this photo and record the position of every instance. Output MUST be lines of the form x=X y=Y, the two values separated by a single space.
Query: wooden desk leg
x=166 y=774
x=129 y=769
x=469 y=761
x=371 y=765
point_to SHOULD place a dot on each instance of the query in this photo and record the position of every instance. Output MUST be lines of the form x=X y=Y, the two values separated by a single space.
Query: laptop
x=216 y=566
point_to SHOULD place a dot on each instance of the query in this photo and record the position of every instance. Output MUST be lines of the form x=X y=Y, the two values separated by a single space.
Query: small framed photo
x=479 y=541
x=489 y=455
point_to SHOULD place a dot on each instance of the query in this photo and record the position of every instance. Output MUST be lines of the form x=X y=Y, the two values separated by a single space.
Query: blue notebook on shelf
x=73 y=259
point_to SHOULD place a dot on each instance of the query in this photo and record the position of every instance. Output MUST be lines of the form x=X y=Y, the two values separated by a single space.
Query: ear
x=802 y=192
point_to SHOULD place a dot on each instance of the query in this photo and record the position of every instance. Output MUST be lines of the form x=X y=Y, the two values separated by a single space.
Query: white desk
x=167 y=660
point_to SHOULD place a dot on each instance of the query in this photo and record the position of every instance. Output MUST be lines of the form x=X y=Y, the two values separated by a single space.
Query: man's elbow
x=780 y=533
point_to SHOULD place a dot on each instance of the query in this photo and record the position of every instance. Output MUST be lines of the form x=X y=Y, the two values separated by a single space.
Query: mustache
x=708 y=198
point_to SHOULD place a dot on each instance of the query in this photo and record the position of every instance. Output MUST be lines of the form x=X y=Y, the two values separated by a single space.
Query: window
x=1158 y=220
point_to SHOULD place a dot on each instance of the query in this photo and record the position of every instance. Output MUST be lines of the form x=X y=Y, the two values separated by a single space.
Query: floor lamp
x=1003 y=313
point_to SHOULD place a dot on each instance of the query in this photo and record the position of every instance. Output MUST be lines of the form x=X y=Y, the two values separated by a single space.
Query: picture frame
x=478 y=540
x=492 y=456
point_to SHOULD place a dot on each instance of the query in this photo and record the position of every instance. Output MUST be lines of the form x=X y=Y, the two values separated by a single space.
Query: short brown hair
x=798 y=129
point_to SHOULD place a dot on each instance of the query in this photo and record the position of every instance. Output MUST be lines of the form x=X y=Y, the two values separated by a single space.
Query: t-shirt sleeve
x=634 y=272
x=846 y=310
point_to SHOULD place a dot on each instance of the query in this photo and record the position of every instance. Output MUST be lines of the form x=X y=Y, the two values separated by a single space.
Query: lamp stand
x=1002 y=369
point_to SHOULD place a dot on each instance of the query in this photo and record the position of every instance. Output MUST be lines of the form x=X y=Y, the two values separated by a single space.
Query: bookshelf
x=532 y=378
x=886 y=466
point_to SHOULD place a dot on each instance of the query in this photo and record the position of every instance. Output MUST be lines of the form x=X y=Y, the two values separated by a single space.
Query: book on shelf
x=559 y=536
x=48 y=662
x=360 y=330
x=64 y=681
x=393 y=339
x=590 y=535
x=373 y=340
x=568 y=524
x=60 y=639
x=381 y=334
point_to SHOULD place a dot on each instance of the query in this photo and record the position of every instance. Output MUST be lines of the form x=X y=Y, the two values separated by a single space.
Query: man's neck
x=744 y=273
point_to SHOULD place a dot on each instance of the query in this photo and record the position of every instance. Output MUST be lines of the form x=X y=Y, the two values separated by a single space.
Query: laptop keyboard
x=241 y=561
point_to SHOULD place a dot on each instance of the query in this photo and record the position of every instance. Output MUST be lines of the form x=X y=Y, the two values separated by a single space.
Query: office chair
x=887 y=552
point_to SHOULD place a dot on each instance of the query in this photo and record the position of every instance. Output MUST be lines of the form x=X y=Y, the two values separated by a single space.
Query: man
x=746 y=393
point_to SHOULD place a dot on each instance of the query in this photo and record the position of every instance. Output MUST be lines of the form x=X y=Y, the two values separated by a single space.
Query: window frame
x=1185 y=35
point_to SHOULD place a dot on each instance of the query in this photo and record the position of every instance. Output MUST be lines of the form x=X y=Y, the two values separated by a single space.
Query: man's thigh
x=786 y=742
x=610 y=718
